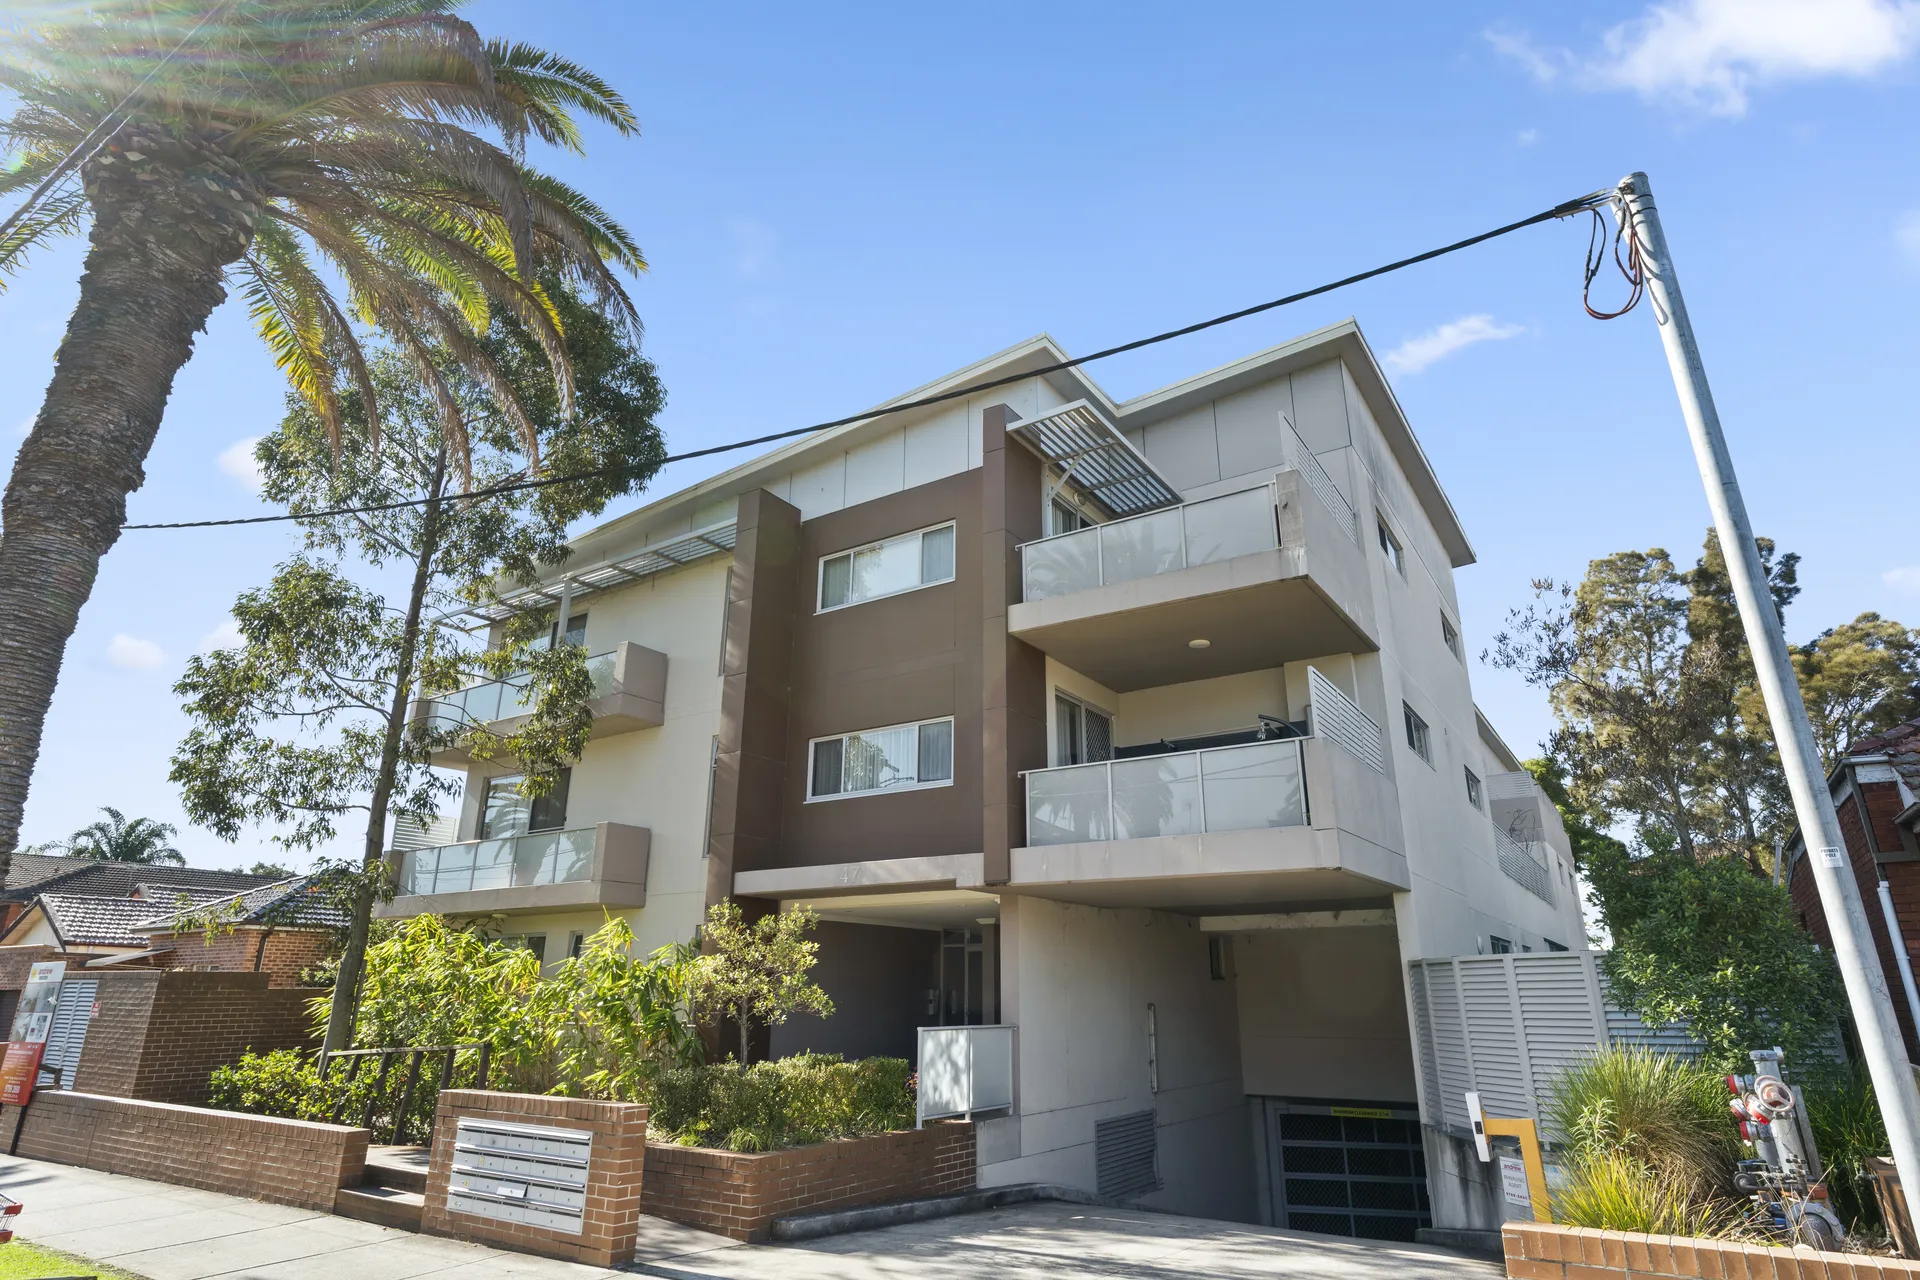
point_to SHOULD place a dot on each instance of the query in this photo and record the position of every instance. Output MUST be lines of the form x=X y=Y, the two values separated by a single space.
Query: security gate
x=1346 y=1169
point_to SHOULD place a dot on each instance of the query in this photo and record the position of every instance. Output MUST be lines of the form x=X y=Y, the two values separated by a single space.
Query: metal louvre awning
x=713 y=540
x=1101 y=462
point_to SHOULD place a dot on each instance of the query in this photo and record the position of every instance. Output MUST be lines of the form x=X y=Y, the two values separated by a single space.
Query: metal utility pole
x=1880 y=1038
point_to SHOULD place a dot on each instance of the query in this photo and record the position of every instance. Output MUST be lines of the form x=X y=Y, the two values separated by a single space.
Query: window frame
x=1499 y=946
x=952 y=764
x=564 y=787
x=1419 y=733
x=820 y=568
x=1450 y=637
x=1390 y=544
x=1476 y=793
x=1061 y=695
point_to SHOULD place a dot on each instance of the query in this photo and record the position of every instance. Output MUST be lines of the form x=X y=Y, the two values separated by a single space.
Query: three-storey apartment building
x=1143 y=727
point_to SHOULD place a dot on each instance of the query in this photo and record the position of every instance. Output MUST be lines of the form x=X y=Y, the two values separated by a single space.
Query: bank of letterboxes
x=520 y=1173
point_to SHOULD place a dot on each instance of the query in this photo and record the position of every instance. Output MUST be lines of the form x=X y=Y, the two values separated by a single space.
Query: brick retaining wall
x=161 y=1032
x=1544 y=1251
x=611 y=1226
x=286 y=1161
x=740 y=1194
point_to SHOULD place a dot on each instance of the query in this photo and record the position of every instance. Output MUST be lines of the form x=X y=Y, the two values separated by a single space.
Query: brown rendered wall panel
x=750 y=768
x=1013 y=674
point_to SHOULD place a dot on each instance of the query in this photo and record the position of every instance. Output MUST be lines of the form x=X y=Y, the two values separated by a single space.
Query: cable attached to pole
x=1565 y=209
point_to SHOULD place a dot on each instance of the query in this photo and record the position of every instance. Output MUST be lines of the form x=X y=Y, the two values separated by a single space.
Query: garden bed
x=739 y=1194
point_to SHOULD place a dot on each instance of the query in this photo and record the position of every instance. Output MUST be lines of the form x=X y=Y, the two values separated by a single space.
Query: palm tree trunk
x=157 y=254
x=353 y=957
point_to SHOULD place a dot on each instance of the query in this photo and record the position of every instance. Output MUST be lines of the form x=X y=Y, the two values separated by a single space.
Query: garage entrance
x=1345 y=1168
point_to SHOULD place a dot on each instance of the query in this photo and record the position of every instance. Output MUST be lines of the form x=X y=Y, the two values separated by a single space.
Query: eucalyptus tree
x=329 y=706
x=348 y=164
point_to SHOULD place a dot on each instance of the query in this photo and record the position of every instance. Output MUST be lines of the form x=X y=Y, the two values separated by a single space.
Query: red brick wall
x=287 y=952
x=161 y=1032
x=740 y=1195
x=285 y=1161
x=614 y=1171
x=1543 y=1251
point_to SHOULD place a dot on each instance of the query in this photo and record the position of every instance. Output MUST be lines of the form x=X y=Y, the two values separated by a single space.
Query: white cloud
x=1906 y=234
x=1713 y=53
x=239 y=463
x=135 y=654
x=225 y=636
x=1435 y=345
x=1904 y=578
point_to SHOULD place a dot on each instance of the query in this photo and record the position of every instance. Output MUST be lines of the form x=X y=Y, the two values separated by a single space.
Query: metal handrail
x=416 y=1057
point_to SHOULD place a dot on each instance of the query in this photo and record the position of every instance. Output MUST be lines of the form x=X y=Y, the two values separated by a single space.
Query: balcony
x=629 y=693
x=1266 y=575
x=597 y=866
x=1289 y=822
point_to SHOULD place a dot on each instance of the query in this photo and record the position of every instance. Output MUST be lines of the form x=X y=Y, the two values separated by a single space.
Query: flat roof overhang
x=1256 y=611
x=1228 y=872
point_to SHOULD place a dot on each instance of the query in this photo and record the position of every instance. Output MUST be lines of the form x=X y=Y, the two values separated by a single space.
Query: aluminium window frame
x=1419 y=732
x=1476 y=789
x=953 y=764
x=1392 y=545
x=820 y=568
x=1450 y=637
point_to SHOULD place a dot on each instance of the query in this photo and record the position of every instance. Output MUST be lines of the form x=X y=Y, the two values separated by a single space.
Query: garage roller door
x=1353 y=1169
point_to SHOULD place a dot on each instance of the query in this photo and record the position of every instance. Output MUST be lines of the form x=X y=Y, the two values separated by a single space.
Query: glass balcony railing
x=1234 y=524
x=507 y=862
x=1239 y=788
x=504 y=699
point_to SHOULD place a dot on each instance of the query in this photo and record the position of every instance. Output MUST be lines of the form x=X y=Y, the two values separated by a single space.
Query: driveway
x=1069 y=1241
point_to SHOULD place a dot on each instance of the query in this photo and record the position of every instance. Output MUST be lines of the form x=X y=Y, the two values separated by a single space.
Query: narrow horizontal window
x=906 y=563
x=897 y=758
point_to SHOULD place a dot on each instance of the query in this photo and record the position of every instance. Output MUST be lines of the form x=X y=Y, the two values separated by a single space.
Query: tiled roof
x=97 y=878
x=32 y=868
x=291 y=903
x=83 y=920
x=1901 y=746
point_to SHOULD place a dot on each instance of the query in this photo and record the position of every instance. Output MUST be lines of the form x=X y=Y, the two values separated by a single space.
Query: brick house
x=32 y=874
x=280 y=929
x=1876 y=792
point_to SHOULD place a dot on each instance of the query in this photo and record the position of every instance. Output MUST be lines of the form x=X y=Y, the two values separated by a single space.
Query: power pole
x=1880 y=1038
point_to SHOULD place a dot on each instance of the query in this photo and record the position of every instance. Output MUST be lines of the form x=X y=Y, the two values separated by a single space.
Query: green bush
x=1847 y=1128
x=287 y=1083
x=1664 y=1112
x=812 y=1097
x=1612 y=1191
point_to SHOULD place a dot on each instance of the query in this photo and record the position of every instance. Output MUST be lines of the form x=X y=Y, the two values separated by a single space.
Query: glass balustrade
x=509 y=862
x=1194 y=533
x=505 y=699
x=1241 y=788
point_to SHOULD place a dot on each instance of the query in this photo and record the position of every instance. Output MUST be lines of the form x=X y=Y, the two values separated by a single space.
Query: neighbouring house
x=90 y=905
x=81 y=924
x=282 y=929
x=1876 y=793
x=1145 y=727
x=32 y=874
x=27 y=870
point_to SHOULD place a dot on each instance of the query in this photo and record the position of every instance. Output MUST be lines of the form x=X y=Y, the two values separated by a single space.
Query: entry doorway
x=1344 y=1168
x=969 y=976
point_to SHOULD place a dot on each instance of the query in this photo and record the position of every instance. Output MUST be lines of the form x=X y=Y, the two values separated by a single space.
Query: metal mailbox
x=520 y=1173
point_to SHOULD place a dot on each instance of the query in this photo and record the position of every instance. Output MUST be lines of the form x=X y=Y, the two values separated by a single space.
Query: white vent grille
x=411 y=833
x=1318 y=480
x=1126 y=1156
x=1336 y=717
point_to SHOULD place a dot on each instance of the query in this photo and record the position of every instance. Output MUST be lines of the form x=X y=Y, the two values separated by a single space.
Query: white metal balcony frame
x=1200 y=758
x=1267 y=539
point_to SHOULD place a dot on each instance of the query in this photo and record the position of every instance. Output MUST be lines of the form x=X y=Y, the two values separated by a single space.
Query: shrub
x=789 y=1102
x=1613 y=1191
x=287 y=1083
x=1665 y=1113
x=1847 y=1128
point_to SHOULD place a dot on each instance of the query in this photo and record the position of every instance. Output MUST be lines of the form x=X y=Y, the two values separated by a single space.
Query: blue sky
x=842 y=201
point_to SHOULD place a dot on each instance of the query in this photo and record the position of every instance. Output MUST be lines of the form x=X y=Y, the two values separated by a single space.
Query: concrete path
x=1072 y=1242
x=165 y=1232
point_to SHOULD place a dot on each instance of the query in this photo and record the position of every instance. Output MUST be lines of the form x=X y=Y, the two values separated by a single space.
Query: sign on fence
x=32 y=1023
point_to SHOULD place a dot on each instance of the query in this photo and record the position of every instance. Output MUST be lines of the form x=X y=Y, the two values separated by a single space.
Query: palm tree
x=119 y=840
x=349 y=164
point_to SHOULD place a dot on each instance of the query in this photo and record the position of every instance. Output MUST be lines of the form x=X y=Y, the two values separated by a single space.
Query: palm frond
x=550 y=88
x=60 y=213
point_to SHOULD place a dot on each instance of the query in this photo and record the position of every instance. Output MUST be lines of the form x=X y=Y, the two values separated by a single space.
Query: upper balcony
x=597 y=866
x=1279 y=821
x=1265 y=575
x=629 y=693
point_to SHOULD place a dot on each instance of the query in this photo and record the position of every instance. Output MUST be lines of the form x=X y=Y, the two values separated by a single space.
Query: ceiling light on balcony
x=1199 y=644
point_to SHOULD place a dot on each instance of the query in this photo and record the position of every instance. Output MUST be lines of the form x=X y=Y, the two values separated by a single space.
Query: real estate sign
x=28 y=1040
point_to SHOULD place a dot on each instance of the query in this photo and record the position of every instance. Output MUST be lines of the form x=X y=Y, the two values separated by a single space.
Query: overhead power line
x=1565 y=209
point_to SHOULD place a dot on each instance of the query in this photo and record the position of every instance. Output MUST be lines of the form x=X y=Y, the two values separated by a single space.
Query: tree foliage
x=755 y=974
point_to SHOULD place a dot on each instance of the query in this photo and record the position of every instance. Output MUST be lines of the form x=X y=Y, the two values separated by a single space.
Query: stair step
x=381 y=1205
x=397 y=1168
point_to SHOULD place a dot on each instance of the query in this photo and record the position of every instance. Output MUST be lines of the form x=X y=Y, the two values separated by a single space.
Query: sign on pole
x=31 y=1024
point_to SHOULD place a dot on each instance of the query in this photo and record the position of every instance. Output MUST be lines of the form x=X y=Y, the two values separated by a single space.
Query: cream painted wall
x=1201 y=707
x=654 y=778
x=1322 y=1014
x=1077 y=982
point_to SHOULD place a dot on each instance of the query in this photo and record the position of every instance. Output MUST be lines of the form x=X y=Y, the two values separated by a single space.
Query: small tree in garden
x=755 y=975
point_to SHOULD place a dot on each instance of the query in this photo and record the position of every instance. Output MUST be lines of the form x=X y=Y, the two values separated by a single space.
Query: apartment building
x=1143 y=727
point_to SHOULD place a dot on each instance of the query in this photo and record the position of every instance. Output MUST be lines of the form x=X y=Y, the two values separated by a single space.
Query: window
x=902 y=757
x=1450 y=636
x=576 y=631
x=1064 y=517
x=1081 y=734
x=1419 y=737
x=887 y=568
x=1473 y=789
x=506 y=812
x=1498 y=945
x=1390 y=545
x=534 y=942
x=713 y=776
x=576 y=943
x=1554 y=946
x=1219 y=958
